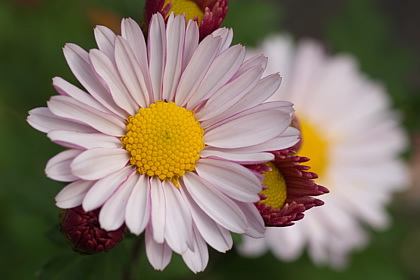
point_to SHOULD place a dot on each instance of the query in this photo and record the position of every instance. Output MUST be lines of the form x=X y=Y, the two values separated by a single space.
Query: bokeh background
x=382 y=34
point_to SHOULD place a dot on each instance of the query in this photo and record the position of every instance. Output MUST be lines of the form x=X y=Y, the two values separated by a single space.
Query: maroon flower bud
x=209 y=14
x=84 y=234
x=287 y=189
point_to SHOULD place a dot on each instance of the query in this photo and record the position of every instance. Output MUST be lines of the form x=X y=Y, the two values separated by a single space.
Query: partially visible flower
x=287 y=189
x=84 y=234
x=209 y=14
x=353 y=140
x=159 y=140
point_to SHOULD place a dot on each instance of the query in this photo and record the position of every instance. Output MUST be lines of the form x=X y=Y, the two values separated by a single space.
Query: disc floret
x=164 y=140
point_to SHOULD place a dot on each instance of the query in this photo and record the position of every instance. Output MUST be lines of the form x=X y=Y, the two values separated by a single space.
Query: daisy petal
x=65 y=88
x=131 y=31
x=260 y=93
x=256 y=227
x=249 y=130
x=104 y=188
x=194 y=72
x=78 y=61
x=286 y=139
x=157 y=49
x=138 y=206
x=178 y=225
x=227 y=36
x=43 y=120
x=198 y=259
x=231 y=93
x=159 y=255
x=76 y=140
x=112 y=212
x=107 y=71
x=105 y=39
x=242 y=158
x=281 y=106
x=69 y=108
x=226 y=176
x=97 y=163
x=219 y=73
x=157 y=198
x=173 y=65
x=73 y=194
x=191 y=43
x=258 y=60
x=58 y=167
x=216 y=236
x=215 y=204
x=131 y=72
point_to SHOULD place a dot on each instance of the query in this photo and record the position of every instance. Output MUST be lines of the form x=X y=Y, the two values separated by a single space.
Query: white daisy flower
x=353 y=141
x=158 y=139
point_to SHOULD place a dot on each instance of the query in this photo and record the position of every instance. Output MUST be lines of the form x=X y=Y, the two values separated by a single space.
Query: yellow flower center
x=314 y=146
x=190 y=8
x=276 y=190
x=164 y=140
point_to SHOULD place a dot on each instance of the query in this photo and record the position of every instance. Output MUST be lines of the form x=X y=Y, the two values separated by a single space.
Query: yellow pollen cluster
x=276 y=191
x=189 y=7
x=164 y=140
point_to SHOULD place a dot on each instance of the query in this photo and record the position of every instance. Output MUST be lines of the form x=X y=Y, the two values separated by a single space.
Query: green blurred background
x=382 y=34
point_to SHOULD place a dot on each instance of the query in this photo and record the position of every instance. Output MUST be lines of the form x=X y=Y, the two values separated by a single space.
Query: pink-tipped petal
x=157 y=197
x=231 y=155
x=105 y=39
x=58 y=167
x=97 y=163
x=226 y=34
x=108 y=72
x=280 y=106
x=216 y=236
x=256 y=227
x=131 y=72
x=191 y=43
x=137 y=213
x=286 y=139
x=104 y=188
x=73 y=194
x=43 y=120
x=175 y=41
x=157 y=50
x=198 y=259
x=112 y=212
x=178 y=225
x=158 y=254
x=65 y=88
x=131 y=31
x=230 y=94
x=215 y=204
x=249 y=130
x=78 y=61
x=69 y=108
x=219 y=73
x=227 y=176
x=196 y=69
x=260 y=93
x=76 y=140
x=258 y=60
